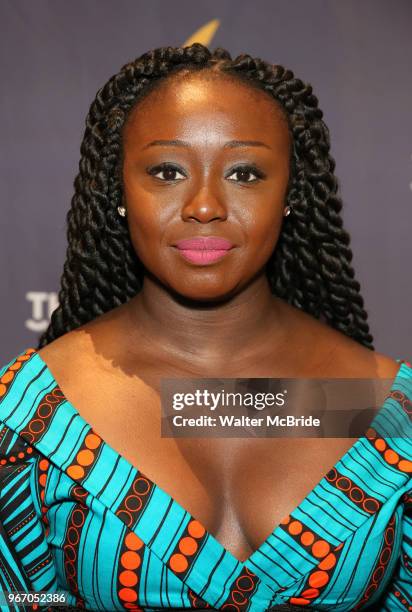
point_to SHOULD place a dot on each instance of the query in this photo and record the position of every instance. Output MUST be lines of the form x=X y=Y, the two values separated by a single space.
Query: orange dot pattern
x=186 y=549
x=319 y=548
x=129 y=571
x=407 y=500
x=197 y=602
x=86 y=456
x=386 y=452
x=241 y=590
x=320 y=576
x=18 y=526
x=402 y=598
x=7 y=378
x=40 y=421
x=135 y=500
x=3 y=431
x=20 y=451
x=315 y=545
x=381 y=565
x=79 y=494
x=21 y=521
x=17 y=453
x=71 y=547
x=43 y=469
x=402 y=399
x=40 y=566
x=352 y=491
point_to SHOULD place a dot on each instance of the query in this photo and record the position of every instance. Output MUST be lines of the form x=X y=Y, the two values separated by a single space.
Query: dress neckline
x=404 y=367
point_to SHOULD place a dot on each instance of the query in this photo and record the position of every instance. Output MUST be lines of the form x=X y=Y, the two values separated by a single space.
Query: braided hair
x=310 y=267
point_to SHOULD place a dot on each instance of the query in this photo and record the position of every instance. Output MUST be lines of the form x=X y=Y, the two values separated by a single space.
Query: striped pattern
x=77 y=518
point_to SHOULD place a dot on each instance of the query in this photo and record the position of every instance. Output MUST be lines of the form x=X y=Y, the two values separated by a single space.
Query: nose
x=204 y=207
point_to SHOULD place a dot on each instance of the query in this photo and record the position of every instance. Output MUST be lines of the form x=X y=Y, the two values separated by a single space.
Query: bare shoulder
x=80 y=349
x=337 y=355
x=91 y=352
x=66 y=356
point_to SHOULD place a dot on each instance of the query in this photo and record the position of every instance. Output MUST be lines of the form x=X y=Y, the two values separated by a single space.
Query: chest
x=239 y=488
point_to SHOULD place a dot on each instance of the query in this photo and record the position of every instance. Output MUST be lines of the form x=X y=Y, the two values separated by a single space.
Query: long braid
x=310 y=266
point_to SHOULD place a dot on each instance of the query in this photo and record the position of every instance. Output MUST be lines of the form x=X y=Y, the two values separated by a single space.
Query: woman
x=184 y=144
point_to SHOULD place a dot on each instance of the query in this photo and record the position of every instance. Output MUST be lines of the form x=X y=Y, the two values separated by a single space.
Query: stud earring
x=287 y=212
x=121 y=210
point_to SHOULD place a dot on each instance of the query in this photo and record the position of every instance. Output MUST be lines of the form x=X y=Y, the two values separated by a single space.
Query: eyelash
x=241 y=167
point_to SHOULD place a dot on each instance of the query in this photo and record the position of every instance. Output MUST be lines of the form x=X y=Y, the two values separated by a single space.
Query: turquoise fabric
x=77 y=518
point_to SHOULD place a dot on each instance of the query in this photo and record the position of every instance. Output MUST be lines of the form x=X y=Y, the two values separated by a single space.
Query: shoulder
x=67 y=357
x=84 y=347
x=65 y=349
x=93 y=349
x=333 y=353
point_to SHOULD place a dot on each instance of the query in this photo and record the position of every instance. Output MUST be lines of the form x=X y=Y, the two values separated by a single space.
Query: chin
x=204 y=296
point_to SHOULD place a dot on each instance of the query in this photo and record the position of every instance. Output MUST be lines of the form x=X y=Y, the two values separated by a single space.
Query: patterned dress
x=77 y=519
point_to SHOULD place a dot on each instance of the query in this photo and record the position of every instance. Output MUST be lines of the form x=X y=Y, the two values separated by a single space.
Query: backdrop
x=55 y=55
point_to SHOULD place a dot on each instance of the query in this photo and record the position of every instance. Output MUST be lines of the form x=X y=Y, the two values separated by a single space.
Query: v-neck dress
x=77 y=519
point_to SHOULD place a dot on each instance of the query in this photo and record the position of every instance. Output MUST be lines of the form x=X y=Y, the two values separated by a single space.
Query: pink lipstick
x=203 y=251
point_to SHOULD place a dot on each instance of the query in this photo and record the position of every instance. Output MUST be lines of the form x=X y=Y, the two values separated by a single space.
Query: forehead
x=209 y=108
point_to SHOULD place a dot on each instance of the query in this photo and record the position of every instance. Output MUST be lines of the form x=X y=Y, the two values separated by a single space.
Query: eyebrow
x=231 y=144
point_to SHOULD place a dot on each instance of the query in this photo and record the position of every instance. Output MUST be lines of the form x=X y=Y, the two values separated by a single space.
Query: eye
x=168 y=171
x=247 y=170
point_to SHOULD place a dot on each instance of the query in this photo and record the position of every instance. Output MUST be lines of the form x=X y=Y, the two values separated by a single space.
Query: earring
x=121 y=210
x=287 y=212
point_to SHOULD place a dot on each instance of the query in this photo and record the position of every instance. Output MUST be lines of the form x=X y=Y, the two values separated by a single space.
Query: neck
x=198 y=334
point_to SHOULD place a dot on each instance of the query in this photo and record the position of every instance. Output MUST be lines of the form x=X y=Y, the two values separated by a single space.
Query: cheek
x=148 y=227
x=144 y=235
x=147 y=220
x=144 y=214
x=263 y=233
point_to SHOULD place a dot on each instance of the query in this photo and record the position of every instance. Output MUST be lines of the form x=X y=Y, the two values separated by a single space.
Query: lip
x=205 y=243
x=203 y=257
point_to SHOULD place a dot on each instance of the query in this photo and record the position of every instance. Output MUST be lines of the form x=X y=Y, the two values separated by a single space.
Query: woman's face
x=187 y=150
